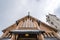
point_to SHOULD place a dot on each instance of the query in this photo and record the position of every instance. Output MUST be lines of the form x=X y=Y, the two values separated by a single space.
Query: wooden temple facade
x=30 y=28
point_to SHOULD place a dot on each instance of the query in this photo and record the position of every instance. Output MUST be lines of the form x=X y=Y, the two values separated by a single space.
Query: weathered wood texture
x=31 y=23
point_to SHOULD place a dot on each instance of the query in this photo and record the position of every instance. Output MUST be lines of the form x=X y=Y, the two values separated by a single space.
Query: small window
x=48 y=16
x=52 y=23
x=56 y=26
x=48 y=20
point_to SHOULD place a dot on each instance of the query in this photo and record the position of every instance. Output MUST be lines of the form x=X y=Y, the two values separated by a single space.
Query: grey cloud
x=12 y=10
x=57 y=11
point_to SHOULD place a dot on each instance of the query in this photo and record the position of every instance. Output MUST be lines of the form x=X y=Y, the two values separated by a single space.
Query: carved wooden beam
x=5 y=34
x=56 y=35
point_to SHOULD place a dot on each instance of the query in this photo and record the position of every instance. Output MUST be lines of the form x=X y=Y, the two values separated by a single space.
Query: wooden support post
x=13 y=37
x=16 y=36
x=41 y=37
x=38 y=37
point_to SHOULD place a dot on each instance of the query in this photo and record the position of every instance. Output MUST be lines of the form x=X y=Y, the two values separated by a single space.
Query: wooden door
x=27 y=37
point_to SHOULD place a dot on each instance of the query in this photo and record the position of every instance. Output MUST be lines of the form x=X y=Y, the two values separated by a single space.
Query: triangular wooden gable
x=42 y=25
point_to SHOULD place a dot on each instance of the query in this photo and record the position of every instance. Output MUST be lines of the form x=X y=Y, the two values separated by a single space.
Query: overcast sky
x=12 y=10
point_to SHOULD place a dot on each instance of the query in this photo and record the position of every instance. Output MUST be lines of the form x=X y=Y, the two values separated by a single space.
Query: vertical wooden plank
x=19 y=25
